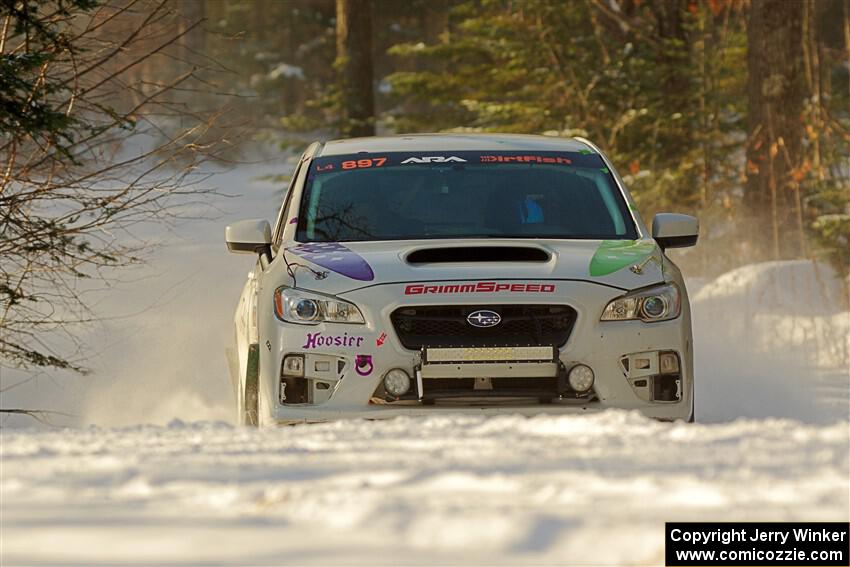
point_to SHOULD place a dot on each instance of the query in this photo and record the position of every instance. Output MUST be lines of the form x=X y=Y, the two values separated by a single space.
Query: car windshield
x=406 y=196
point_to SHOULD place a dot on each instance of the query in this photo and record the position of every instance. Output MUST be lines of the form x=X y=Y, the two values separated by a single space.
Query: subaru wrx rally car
x=489 y=273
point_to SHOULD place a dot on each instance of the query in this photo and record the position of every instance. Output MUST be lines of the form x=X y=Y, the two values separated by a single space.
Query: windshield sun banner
x=334 y=164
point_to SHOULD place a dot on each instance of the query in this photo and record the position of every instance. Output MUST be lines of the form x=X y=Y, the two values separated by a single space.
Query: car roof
x=453 y=142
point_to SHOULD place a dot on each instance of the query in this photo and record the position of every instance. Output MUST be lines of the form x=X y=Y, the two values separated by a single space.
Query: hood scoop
x=475 y=254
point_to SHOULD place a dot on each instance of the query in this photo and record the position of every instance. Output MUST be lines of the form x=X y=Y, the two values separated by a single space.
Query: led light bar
x=490 y=354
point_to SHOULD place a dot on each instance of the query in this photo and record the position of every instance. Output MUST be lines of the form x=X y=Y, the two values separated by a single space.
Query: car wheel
x=264 y=414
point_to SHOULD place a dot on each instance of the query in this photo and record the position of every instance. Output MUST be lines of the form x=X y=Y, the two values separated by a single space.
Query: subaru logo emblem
x=484 y=318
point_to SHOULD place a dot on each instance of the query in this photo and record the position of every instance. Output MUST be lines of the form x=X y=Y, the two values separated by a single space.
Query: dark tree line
x=734 y=109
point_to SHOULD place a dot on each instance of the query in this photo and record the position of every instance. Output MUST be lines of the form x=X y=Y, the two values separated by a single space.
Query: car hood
x=342 y=267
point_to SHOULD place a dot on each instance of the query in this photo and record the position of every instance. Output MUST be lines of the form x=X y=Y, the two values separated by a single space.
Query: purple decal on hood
x=336 y=257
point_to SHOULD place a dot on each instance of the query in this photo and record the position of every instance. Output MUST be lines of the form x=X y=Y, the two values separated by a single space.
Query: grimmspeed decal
x=365 y=161
x=478 y=287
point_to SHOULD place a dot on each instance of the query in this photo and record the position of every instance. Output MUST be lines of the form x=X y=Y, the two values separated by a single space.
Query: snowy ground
x=547 y=490
x=772 y=352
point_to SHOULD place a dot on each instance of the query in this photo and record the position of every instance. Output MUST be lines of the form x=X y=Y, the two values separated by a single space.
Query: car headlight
x=660 y=303
x=297 y=306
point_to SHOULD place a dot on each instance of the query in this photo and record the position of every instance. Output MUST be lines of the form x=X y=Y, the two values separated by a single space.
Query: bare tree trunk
x=703 y=114
x=812 y=47
x=673 y=36
x=847 y=39
x=354 y=65
x=776 y=91
x=193 y=11
x=435 y=20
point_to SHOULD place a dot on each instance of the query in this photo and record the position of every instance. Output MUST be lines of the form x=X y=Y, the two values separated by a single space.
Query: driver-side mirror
x=252 y=236
x=672 y=230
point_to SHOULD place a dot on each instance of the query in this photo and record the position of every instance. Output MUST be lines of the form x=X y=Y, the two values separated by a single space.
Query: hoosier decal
x=345 y=340
x=479 y=287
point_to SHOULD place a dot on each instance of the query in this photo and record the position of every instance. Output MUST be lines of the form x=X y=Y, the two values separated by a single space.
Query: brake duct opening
x=655 y=376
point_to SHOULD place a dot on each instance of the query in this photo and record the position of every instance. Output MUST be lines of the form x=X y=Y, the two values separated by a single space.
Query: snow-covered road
x=581 y=490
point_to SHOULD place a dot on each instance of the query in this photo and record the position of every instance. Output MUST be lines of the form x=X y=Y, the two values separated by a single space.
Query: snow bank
x=584 y=490
x=772 y=340
x=791 y=287
x=788 y=309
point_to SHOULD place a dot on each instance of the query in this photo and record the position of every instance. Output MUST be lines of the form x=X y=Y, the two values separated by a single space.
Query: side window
x=281 y=217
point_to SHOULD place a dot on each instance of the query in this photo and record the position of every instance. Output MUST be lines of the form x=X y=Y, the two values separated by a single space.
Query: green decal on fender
x=613 y=255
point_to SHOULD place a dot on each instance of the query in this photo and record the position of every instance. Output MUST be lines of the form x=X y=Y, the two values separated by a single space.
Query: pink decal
x=527 y=159
x=380 y=340
x=363 y=364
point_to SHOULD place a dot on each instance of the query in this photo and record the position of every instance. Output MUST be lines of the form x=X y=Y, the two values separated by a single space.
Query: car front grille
x=447 y=326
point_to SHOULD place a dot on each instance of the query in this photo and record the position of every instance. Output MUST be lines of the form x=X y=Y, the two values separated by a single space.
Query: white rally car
x=488 y=273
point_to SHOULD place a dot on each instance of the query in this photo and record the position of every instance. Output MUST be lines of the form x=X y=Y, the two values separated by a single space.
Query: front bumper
x=344 y=365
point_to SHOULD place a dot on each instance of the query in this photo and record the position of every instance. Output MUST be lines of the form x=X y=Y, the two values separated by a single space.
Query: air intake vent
x=478 y=254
